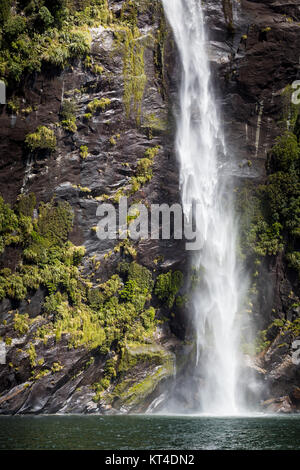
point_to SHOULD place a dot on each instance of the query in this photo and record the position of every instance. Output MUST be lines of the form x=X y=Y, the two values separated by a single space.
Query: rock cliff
x=99 y=125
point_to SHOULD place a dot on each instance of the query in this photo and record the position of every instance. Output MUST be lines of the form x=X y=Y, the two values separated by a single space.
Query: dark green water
x=150 y=432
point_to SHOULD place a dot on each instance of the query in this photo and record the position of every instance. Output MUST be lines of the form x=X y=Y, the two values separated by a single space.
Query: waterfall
x=202 y=159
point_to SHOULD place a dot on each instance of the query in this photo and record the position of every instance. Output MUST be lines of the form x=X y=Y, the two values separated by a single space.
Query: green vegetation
x=144 y=170
x=109 y=374
x=44 y=32
x=103 y=316
x=98 y=105
x=130 y=389
x=168 y=285
x=283 y=326
x=32 y=354
x=132 y=45
x=129 y=39
x=270 y=219
x=68 y=116
x=21 y=323
x=154 y=124
x=13 y=106
x=84 y=152
x=95 y=68
x=87 y=117
x=42 y=139
x=142 y=175
x=48 y=258
x=270 y=214
x=5 y=7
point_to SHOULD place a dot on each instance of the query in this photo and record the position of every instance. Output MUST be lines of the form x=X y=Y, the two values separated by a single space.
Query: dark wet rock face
x=254 y=50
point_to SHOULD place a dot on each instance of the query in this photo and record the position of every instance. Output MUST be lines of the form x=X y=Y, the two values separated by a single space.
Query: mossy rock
x=145 y=366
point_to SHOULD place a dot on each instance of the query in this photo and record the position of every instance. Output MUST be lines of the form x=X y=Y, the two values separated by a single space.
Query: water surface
x=150 y=432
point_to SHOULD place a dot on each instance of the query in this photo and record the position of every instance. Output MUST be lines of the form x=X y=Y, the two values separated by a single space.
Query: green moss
x=113 y=311
x=109 y=374
x=270 y=217
x=140 y=390
x=158 y=362
x=42 y=139
x=144 y=172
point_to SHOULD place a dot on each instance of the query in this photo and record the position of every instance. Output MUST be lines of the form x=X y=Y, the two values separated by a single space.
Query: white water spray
x=200 y=150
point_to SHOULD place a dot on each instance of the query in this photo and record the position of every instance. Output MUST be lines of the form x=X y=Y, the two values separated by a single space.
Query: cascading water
x=202 y=159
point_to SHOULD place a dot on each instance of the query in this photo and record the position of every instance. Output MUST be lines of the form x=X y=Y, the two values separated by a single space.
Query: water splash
x=202 y=155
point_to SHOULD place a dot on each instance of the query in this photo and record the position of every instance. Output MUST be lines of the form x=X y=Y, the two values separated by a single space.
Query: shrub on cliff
x=285 y=155
x=43 y=19
x=270 y=214
x=68 y=116
x=5 y=7
x=98 y=105
x=14 y=26
x=42 y=139
x=167 y=286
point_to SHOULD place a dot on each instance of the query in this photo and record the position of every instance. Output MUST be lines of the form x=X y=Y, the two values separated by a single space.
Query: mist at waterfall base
x=215 y=382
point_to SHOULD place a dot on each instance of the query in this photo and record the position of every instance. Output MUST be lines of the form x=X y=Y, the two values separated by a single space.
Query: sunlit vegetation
x=102 y=316
x=42 y=139
x=97 y=105
x=42 y=33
